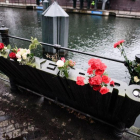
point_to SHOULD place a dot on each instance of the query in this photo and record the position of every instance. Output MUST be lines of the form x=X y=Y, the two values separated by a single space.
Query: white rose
x=60 y=63
x=136 y=79
x=5 y=48
x=22 y=51
x=24 y=56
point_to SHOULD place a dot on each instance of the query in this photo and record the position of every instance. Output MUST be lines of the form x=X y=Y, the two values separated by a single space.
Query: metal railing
x=57 y=47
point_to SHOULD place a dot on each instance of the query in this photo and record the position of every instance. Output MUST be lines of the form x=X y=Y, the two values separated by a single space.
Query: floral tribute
x=64 y=65
x=24 y=56
x=3 y=48
x=97 y=78
x=132 y=66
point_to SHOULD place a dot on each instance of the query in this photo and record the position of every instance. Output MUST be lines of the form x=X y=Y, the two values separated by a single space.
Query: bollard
x=55 y=27
x=5 y=40
x=45 y=5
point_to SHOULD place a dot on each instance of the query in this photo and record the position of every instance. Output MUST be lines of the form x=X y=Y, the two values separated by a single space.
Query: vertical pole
x=103 y=5
x=74 y=3
x=5 y=40
x=95 y=6
x=45 y=5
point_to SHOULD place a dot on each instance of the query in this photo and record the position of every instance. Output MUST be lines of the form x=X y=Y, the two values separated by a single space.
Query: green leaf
x=9 y=47
x=34 y=43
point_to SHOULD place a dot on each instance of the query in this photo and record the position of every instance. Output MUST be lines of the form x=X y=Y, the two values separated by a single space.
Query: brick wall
x=125 y=5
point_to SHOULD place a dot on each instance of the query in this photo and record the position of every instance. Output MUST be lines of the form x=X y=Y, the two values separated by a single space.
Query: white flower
x=60 y=63
x=28 y=51
x=5 y=48
x=19 y=60
x=136 y=79
x=18 y=56
x=24 y=56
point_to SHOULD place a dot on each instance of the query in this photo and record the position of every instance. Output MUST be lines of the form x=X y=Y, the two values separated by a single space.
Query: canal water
x=87 y=33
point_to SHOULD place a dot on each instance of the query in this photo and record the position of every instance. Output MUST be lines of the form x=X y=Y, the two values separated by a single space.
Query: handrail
x=57 y=47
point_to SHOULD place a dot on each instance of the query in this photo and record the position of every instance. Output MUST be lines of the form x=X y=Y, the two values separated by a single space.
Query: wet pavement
x=24 y=116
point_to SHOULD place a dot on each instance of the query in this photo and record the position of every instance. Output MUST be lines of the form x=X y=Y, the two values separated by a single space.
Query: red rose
x=116 y=45
x=96 y=64
x=63 y=59
x=96 y=80
x=1 y=46
x=12 y=55
x=104 y=90
x=80 y=80
x=90 y=70
x=96 y=87
x=112 y=83
x=105 y=79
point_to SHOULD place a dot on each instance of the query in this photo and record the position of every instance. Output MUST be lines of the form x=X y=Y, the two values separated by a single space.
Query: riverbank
x=117 y=13
x=24 y=115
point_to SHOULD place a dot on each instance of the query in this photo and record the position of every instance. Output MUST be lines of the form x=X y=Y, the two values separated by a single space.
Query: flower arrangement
x=64 y=65
x=132 y=66
x=97 y=78
x=24 y=56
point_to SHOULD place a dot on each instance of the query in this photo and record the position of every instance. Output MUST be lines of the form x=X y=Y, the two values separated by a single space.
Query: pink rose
x=104 y=90
x=101 y=69
x=105 y=79
x=80 y=80
x=121 y=41
x=96 y=80
x=112 y=83
x=96 y=64
x=116 y=45
x=63 y=59
x=90 y=70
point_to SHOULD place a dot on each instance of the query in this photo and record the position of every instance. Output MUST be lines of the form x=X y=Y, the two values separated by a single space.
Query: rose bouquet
x=24 y=56
x=132 y=66
x=97 y=78
x=64 y=65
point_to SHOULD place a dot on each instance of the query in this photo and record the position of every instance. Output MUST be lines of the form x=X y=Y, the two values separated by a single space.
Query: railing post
x=4 y=34
x=5 y=39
